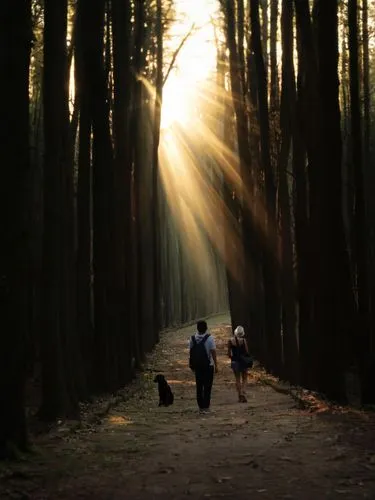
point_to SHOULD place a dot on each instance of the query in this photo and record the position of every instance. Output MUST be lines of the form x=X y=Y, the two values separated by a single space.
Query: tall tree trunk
x=257 y=309
x=125 y=241
x=103 y=183
x=58 y=287
x=238 y=197
x=334 y=310
x=287 y=117
x=301 y=224
x=15 y=177
x=84 y=194
x=270 y=269
x=368 y=395
x=363 y=337
x=155 y=166
x=142 y=230
x=307 y=190
x=230 y=210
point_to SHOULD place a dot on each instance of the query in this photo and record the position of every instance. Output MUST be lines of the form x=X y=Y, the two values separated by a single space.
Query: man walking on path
x=203 y=362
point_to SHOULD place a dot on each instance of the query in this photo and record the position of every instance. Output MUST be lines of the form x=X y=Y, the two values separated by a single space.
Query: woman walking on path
x=237 y=351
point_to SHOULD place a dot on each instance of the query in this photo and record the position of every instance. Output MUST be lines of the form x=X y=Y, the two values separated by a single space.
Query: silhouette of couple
x=203 y=361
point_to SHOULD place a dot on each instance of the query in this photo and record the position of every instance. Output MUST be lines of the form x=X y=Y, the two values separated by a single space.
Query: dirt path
x=265 y=449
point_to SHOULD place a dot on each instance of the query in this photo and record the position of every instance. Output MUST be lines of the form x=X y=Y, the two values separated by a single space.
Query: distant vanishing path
x=265 y=449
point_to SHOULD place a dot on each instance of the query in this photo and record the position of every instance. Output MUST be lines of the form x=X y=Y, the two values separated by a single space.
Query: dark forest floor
x=266 y=449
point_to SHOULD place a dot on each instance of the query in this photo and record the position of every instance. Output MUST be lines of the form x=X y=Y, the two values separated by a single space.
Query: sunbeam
x=195 y=61
x=198 y=151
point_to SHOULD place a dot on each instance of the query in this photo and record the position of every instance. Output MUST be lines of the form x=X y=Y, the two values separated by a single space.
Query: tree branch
x=177 y=52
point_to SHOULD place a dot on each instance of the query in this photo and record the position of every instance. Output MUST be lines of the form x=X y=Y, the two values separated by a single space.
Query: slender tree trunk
x=287 y=117
x=102 y=158
x=58 y=322
x=368 y=395
x=257 y=309
x=238 y=199
x=270 y=270
x=125 y=286
x=72 y=355
x=84 y=194
x=15 y=177
x=306 y=139
x=155 y=166
x=230 y=212
x=363 y=336
x=333 y=301
x=301 y=224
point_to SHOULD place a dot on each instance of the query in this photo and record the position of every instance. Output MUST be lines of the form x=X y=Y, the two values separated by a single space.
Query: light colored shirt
x=209 y=344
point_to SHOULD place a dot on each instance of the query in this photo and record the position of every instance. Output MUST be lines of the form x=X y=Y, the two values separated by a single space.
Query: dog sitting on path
x=165 y=392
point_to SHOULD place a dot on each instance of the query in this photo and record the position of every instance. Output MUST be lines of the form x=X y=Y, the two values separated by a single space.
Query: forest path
x=265 y=449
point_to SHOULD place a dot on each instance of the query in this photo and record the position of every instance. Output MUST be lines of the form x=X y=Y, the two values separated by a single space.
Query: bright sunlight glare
x=195 y=61
x=198 y=147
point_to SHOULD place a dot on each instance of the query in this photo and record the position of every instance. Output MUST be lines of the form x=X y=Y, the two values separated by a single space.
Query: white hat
x=239 y=331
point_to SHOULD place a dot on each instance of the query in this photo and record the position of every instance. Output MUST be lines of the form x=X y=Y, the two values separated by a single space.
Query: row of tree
x=93 y=261
x=300 y=86
x=87 y=260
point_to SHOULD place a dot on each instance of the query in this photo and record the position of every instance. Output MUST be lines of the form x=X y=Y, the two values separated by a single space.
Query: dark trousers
x=204 y=380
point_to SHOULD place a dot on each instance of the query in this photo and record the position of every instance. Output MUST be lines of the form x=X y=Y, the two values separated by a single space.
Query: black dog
x=165 y=393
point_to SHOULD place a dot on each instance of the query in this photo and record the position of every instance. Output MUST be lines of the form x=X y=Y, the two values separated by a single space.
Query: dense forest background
x=113 y=228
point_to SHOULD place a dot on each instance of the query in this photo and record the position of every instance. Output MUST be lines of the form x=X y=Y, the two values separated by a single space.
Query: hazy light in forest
x=198 y=150
x=193 y=155
x=195 y=61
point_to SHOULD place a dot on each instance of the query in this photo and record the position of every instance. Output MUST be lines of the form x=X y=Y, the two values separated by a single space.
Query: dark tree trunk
x=142 y=133
x=125 y=287
x=103 y=199
x=58 y=321
x=287 y=117
x=363 y=333
x=15 y=43
x=334 y=310
x=257 y=309
x=84 y=195
x=238 y=197
x=368 y=390
x=305 y=141
x=270 y=266
x=301 y=224
x=155 y=167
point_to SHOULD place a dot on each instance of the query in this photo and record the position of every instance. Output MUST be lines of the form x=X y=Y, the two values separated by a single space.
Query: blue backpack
x=199 y=359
